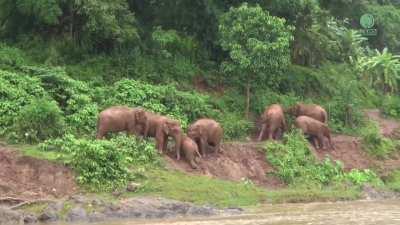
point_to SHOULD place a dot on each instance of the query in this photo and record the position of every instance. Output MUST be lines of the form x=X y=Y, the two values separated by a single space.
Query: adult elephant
x=316 y=129
x=206 y=132
x=310 y=110
x=161 y=127
x=273 y=122
x=119 y=118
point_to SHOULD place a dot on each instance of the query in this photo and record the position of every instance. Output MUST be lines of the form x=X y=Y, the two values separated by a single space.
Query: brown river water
x=338 y=213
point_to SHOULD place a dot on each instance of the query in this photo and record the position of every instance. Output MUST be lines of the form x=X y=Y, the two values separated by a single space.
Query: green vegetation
x=62 y=62
x=376 y=144
x=393 y=181
x=297 y=166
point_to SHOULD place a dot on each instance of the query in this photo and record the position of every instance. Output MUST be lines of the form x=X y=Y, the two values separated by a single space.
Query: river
x=338 y=213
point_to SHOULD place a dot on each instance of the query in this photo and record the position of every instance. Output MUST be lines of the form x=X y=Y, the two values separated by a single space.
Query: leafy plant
x=381 y=70
x=40 y=120
x=374 y=142
x=104 y=164
x=295 y=163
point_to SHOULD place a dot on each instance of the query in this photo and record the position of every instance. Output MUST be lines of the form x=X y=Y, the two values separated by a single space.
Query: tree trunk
x=247 y=100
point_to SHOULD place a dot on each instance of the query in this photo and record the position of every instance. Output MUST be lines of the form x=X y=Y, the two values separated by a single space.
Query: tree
x=258 y=45
x=382 y=70
x=95 y=23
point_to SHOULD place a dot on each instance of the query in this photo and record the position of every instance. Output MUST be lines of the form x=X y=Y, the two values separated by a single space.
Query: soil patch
x=237 y=162
x=348 y=150
x=29 y=179
x=389 y=127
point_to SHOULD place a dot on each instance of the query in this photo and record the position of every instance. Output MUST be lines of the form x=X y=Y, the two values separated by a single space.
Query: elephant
x=119 y=118
x=311 y=110
x=161 y=127
x=314 y=128
x=190 y=150
x=273 y=121
x=206 y=132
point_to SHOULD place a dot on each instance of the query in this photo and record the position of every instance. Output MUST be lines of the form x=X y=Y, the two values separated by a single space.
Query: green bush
x=295 y=163
x=235 y=126
x=40 y=120
x=104 y=164
x=16 y=91
x=393 y=180
x=374 y=142
x=360 y=177
x=391 y=106
x=184 y=106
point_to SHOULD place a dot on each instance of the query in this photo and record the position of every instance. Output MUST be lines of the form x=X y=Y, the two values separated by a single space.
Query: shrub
x=391 y=106
x=393 y=181
x=295 y=163
x=235 y=127
x=10 y=57
x=361 y=177
x=184 y=106
x=104 y=164
x=374 y=142
x=16 y=91
x=40 y=120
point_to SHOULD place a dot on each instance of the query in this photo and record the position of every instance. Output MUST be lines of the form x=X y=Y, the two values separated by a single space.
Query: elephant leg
x=260 y=137
x=165 y=145
x=100 y=134
x=314 y=141
x=321 y=141
x=193 y=164
x=203 y=147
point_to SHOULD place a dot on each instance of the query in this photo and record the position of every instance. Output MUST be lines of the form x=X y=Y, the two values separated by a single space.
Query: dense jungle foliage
x=63 y=61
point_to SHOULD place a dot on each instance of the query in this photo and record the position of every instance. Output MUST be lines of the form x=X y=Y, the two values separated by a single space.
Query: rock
x=201 y=211
x=79 y=199
x=132 y=187
x=10 y=217
x=77 y=214
x=117 y=193
x=372 y=193
x=96 y=217
x=233 y=211
x=57 y=206
x=29 y=219
x=97 y=202
x=49 y=215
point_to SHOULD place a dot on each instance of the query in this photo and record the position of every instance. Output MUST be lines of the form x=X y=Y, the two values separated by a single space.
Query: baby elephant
x=314 y=128
x=190 y=150
x=119 y=118
x=273 y=122
x=206 y=132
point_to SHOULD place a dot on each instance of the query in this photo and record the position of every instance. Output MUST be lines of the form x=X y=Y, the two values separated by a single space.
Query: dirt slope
x=238 y=161
x=28 y=178
x=389 y=127
x=246 y=160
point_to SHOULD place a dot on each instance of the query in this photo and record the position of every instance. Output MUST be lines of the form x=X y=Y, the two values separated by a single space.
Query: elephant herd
x=205 y=133
x=137 y=121
x=311 y=119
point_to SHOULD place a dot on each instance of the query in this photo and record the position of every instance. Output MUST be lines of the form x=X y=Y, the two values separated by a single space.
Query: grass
x=205 y=190
x=200 y=189
x=296 y=195
x=393 y=181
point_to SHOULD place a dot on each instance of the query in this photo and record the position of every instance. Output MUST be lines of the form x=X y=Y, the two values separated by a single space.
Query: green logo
x=367 y=21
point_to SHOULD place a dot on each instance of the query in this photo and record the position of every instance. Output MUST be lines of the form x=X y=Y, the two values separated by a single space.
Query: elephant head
x=173 y=129
x=195 y=132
